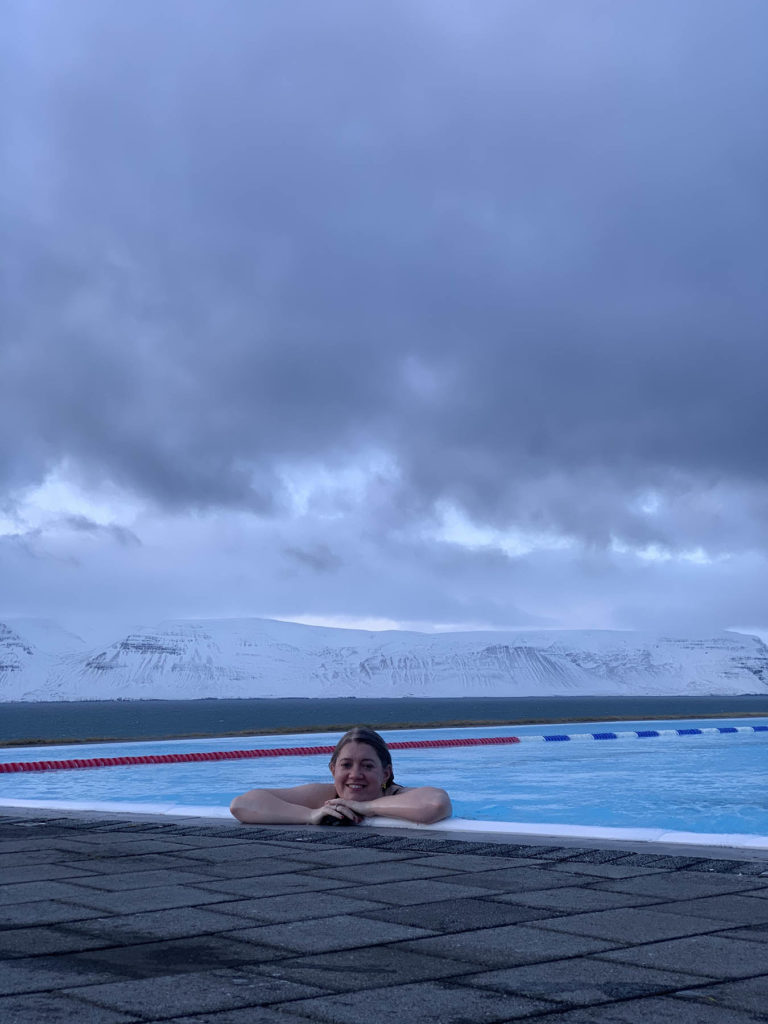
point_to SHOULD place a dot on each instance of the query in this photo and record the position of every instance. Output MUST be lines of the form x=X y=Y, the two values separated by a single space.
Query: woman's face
x=358 y=773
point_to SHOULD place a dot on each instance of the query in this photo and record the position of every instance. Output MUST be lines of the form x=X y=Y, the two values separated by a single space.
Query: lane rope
x=473 y=741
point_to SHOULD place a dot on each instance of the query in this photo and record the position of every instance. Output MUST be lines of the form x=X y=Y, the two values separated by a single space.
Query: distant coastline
x=78 y=722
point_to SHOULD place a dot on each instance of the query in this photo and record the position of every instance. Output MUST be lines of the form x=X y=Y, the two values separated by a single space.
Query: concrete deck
x=106 y=920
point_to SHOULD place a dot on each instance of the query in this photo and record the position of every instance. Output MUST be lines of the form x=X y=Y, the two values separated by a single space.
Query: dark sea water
x=123 y=720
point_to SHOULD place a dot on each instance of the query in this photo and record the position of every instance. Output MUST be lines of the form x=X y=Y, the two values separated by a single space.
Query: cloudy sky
x=429 y=313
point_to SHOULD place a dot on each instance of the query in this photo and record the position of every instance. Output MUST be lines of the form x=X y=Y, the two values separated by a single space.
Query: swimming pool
x=708 y=785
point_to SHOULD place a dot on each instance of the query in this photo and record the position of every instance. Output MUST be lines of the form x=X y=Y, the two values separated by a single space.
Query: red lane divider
x=233 y=755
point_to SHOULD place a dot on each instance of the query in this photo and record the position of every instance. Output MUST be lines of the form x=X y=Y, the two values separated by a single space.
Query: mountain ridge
x=226 y=658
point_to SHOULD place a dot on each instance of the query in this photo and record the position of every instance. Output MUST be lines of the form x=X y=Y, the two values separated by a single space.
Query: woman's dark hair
x=361 y=734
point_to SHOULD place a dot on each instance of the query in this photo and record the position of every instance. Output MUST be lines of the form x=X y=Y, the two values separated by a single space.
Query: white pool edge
x=496 y=828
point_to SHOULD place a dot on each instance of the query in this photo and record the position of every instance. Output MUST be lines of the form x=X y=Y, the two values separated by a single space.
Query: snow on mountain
x=190 y=659
x=46 y=635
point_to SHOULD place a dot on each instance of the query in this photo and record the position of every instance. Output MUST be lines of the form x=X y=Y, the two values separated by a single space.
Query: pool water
x=710 y=784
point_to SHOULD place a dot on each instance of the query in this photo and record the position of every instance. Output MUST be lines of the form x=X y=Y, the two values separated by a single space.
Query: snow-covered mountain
x=190 y=659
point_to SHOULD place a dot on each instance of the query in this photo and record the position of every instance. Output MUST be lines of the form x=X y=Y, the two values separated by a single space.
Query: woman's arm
x=424 y=805
x=297 y=805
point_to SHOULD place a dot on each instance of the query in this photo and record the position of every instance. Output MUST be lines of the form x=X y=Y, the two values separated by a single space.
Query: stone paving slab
x=245 y=867
x=638 y=924
x=323 y=935
x=603 y=870
x=456 y=915
x=223 y=989
x=96 y=861
x=171 y=956
x=732 y=867
x=762 y=892
x=176 y=922
x=427 y=1001
x=40 y=912
x=472 y=861
x=132 y=901
x=33 y=871
x=318 y=857
x=408 y=893
x=396 y=871
x=714 y=956
x=733 y=909
x=36 y=850
x=368 y=967
x=666 y=863
x=681 y=885
x=758 y=933
x=140 y=880
x=656 y=1010
x=517 y=879
x=44 y=940
x=198 y=841
x=108 y=920
x=508 y=946
x=29 y=892
x=249 y=1015
x=280 y=909
x=52 y=1008
x=27 y=858
x=750 y=994
x=583 y=981
x=18 y=976
x=253 y=868
x=237 y=852
x=273 y=885
x=101 y=846
x=573 y=900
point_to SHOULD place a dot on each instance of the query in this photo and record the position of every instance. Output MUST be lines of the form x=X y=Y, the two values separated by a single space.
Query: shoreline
x=388 y=726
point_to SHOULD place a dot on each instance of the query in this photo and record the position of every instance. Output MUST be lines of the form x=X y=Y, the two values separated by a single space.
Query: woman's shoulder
x=316 y=787
x=309 y=794
x=395 y=789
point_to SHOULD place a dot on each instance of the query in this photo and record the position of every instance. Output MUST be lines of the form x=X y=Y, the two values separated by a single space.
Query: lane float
x=470 y=741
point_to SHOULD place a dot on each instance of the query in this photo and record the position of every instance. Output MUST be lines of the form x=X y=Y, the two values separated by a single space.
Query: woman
x=363 y=786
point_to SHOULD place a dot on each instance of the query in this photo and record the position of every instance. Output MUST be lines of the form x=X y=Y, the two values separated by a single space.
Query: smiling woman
x=363 y=786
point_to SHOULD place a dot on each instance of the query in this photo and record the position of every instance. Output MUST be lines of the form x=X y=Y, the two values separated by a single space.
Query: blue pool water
x=709 y=784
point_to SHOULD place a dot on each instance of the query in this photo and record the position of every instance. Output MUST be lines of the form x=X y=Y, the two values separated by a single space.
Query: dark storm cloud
x=49 y=542
x=521 y=248
x=26 y=545
x=82 y=524
x=319 y=557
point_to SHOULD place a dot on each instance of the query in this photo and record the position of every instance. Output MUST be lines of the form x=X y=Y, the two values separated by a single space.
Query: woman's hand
x=340 y=809
x=356 y=809
x=423 y=805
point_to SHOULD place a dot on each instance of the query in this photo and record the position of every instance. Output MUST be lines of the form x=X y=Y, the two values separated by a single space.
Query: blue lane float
x=641 y=734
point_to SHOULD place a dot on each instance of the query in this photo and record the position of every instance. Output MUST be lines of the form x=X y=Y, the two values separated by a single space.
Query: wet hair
x=362 y=734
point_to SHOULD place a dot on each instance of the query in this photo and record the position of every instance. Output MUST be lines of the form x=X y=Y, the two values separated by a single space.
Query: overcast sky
x=426 y=313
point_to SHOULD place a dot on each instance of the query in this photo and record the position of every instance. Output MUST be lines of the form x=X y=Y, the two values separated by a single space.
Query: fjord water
x=155 y=719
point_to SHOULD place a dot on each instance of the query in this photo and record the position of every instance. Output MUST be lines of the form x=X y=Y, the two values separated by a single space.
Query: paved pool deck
x=107 y=919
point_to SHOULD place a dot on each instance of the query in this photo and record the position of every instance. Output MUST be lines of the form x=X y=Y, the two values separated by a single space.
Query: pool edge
x=472 y=830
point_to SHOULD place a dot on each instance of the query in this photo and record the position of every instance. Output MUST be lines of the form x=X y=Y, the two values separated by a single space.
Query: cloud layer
x=339 y=273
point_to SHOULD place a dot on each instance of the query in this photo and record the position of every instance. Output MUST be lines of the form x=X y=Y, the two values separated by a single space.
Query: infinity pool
x=702 y=783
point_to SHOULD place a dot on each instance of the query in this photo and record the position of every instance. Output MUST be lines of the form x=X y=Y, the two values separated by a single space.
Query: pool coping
x=641 y=839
